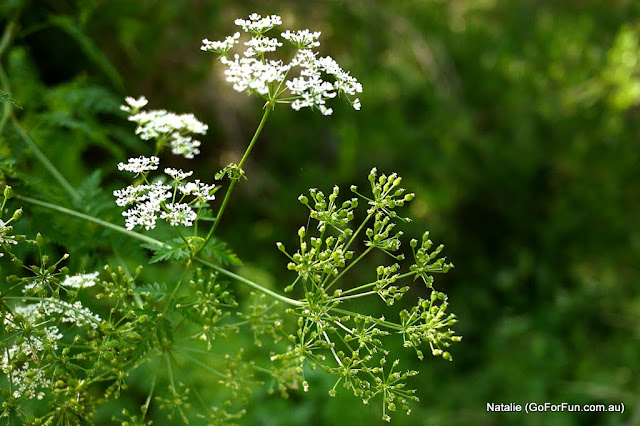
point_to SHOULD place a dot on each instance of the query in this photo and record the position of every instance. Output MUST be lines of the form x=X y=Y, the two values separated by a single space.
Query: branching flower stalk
x=56 y=347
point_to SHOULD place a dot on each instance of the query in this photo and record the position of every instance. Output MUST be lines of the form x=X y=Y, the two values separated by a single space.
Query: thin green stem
x=355 y=234
x=150 y=240
x=371 y=284
x=45 y=161
x=175 y=289
x=235 y=179
x=363 y=254
x=4 y=80
x=389 y=325
x=145 y=407
x=250 y=283
x=100 y=222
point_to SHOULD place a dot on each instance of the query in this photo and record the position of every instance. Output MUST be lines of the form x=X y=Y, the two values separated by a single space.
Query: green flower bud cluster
x=351 y=344
x=428 y=262
x=326 y=211
x=428 y=322
x=319 y=258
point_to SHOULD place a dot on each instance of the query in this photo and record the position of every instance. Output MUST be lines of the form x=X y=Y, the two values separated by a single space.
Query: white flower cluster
x=80 y=280
x=253 y=73
x=140 y=164
x=258 y=25
x=147 y=201
x=29 y=376
x=220 y=46
x=70 y=313
x=157 y=199
x=166 y=127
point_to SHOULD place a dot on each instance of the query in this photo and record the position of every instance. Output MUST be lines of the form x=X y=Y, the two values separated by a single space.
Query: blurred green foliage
x=515 y=122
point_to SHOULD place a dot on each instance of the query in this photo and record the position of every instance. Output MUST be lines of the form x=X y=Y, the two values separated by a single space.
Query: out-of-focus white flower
x=257 y=24
x=221 y=47
x=5 y=238
x=260 y=46
x=174 y=129
x=140 y=164
x=185 y=146
x=134 y=105
x=30 y=376
x=80 y=280
x=302 y=39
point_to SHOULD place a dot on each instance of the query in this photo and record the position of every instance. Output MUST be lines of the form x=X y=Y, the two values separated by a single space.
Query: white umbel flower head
x=80 y=280
x=221 y=47
x=134 y=105
x=257 y=24
x=177 y=174
x=140 y=164
x=166 y=127
x=179 y=214
x=199 y=190
x=310 y=80
x=302 y=39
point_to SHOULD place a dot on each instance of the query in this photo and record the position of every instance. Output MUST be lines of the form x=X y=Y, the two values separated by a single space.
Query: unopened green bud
x=39 y=240
x=8 y=192
x=17 y=214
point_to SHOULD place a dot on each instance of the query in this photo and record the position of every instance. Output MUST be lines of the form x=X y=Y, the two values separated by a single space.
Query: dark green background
x=515 y=122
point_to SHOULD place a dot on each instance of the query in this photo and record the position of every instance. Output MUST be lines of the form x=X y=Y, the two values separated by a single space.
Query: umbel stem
x=232 y=185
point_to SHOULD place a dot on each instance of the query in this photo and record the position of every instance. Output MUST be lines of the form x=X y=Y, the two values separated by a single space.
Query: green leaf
x=157 y=291
x=221 y=253
x=4 y=97
x=175 y=251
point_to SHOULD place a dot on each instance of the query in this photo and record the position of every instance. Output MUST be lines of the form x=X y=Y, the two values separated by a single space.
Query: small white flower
x=198 y=189
x=140 y=164
x=177 y=174
x=172 y=127
x=134 y=105
x=184 y=145
x=179 y=214
x=258 y=25
x=261 y=45
x=5 y=238
x=80 y=280
x=302 y=39
x=221 y=47
x=356 y=104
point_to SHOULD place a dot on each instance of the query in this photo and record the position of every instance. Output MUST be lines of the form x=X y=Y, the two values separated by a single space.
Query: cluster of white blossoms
x=166 y=127
x=80 y=280
x=150 y=201
x=21 y=362
x=253 y=73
